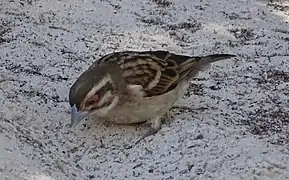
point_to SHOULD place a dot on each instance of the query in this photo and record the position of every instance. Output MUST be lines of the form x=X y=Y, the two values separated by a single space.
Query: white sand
x=240 y=131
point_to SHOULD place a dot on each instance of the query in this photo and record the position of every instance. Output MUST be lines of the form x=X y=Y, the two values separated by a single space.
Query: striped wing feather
x=157 y=71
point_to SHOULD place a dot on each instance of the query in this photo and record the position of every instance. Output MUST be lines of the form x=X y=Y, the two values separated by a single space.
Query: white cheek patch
x=105 y=98
x=104 y=110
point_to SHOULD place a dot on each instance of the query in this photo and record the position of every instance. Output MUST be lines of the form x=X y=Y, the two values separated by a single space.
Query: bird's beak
x=76 y=116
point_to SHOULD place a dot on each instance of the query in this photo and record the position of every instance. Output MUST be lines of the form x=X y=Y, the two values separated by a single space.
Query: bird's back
x=157 y=71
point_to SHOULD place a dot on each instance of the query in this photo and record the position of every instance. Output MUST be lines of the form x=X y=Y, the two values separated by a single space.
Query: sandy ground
x=237 y=127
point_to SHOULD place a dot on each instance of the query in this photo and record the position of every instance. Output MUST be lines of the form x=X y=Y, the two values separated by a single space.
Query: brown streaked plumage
x=131 y=87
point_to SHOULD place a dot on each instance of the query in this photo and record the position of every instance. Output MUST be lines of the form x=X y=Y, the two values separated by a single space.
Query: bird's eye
x=92 y=100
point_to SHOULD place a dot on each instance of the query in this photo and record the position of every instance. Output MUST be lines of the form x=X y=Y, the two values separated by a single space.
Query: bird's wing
x=156 y=75
x=157 y=72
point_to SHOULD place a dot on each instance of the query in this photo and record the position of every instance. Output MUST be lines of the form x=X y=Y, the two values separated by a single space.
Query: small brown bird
x=132 y=87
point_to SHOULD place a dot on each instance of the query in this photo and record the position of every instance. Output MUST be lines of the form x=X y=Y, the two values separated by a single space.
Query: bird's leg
x=168 y=116
x=155 y=127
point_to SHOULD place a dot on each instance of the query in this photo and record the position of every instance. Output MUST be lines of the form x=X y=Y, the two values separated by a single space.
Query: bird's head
x=94 y=92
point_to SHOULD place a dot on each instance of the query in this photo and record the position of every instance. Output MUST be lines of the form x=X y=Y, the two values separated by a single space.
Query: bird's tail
x=200 y=63
x=213 y=58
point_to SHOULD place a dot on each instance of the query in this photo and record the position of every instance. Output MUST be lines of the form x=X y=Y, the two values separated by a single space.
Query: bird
x=132 y=87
